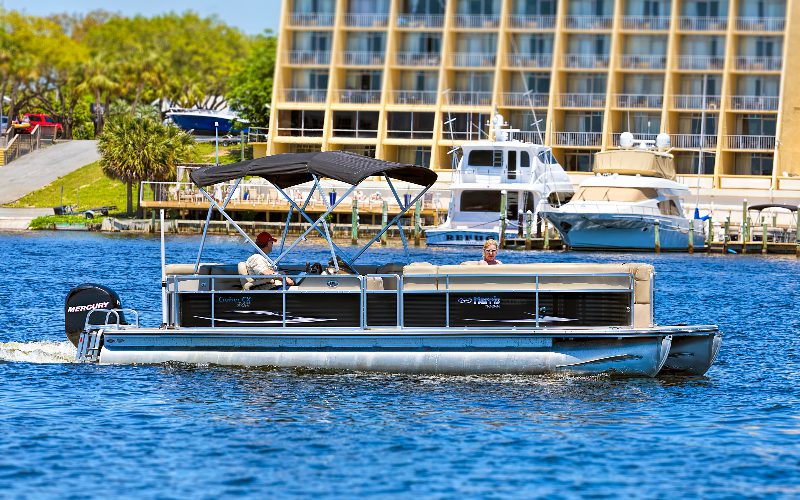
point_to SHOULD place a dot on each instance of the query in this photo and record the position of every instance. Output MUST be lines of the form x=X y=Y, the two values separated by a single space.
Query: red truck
x=41 y=119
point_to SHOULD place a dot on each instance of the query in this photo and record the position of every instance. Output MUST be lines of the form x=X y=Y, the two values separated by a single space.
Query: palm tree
x=97 y=82
x=136 y=149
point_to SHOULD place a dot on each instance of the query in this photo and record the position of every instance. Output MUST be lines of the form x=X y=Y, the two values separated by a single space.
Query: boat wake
x=37 y=352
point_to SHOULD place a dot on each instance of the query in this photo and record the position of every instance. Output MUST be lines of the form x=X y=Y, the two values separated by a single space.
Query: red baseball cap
x=263 y=238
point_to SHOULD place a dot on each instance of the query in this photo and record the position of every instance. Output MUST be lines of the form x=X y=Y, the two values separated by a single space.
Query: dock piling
x=546 y=231
x=710 y=232
x=528 y=229
x=657 y=237
x=354 y=224
x=384 y=221
x=503 y=216
x=725 y=235
x=417 y=221
x=690 y=246
x=764 y=238
x=797 y=233
x=743 y=230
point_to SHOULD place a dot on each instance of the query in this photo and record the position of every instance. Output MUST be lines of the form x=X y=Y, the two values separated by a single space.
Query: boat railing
x=113 y=319
x=614 y=207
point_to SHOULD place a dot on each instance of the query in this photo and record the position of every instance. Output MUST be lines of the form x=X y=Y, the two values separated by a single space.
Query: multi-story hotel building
x=406 y=80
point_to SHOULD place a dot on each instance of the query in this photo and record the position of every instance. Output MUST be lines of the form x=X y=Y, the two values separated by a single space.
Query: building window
x=753 y=164
x=579 y=161
x=357 y=124
x=301 y=123
x=756 y=124
x=410 y=125
x=688 y=163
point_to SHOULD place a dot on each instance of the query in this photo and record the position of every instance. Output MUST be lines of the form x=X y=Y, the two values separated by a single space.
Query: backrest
x=411 y=280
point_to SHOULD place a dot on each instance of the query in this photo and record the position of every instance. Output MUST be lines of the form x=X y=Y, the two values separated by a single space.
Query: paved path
x=40 y=168
x=17 y=219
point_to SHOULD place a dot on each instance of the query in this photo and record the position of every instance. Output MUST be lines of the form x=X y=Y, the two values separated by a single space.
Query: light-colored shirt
x=257 y=264
x=485 y=263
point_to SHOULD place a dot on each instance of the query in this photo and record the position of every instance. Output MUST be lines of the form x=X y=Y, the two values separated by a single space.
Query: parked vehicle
x=42 y=120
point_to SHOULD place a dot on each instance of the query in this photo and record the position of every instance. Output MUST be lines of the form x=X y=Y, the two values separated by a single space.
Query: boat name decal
x=242 y=302
x=487 y=302
x=88 y=307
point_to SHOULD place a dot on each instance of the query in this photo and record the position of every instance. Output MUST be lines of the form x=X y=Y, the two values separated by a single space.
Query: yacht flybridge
x=396 y=317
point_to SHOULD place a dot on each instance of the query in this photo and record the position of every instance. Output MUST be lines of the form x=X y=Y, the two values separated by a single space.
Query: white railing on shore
x=585 y=61
x=636 y=61
x=464 y=98
x=305 y=95
x=529 y=60
x=588 y=22
x=349 y=96
x=691 y=101
x=525 y=100
x=693 y=141
x=578 y=138
x=308 y=57
x=420 y=20
x=697 y=23
x=575 y=100
x=359 y=58
x=532 y=22
x=750 y=141
x=417 y=59
x=636 y=137
x=474 y=60
x=371 y=20
x=655 y=101
x=701 y=62
x=660 y=23
x=476 y=20
x=311 y=19
x=759 y=63
x=414 y=97
x=760 y=23
x=754 y=102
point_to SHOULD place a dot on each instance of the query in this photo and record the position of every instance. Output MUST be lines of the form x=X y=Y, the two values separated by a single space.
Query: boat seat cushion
x=412 y=279
x=565 y=277
x=250 y=283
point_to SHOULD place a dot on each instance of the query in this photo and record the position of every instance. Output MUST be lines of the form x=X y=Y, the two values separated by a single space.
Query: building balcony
x=473 y=60
x=759 y=142
x=636 y=137
x=463 y=135
x=418 y=59
x=574 y=100
x=366 y=20
x=410 y=134
x=302 y=19
x=355 y=133
x=525 y=99
x=701 y=62
x=691 y=101
x=696 y=23
x=693 y=141
x=529 y=60
x=285 y=131
x=639 y=101
x=533 y=136
x=753 y=103
x=476 y=21
x=349 y=96
x=589 y=139
x=771 y=24
x=414 y=97
x=362 y=58
x=420 y=20
x=532 y=22
x=592 y=23
x=308 y=57
x=305 y=95
x=644 y=23
x=759 y=63
x=466 y=98
x=585 y=61
x=636 y=61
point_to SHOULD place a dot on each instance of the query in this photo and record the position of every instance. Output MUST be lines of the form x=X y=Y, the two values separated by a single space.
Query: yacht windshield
x=624 y=194
x=480 y=201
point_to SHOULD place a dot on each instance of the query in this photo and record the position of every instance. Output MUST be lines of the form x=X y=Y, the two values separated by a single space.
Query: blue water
x=69 y=430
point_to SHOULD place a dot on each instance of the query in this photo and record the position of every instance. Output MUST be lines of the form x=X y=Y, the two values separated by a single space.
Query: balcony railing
x=417 y=59
x=578 y=138
x=588 y=22
x=529 y=60
x=284 y=131
x=476 y=21
x=701 y=62
x=356 y=133
x=636 y=137
x=660 y=23
x=534 y=136
x=464 y=98
x=754 y=102
x=366 y=20
x=308 y=57
x=474 y=60
x=693 y=141
x=635 y=61
x=311 y=19
x=585 y=61
x=305 y=95
x=532 y=22
x=526 y=100
x=775 y=24
x=414 y=97
x=696 y=23
x=759 y=63
x=766 y=142
x=652 y=101
x=420 y=21
x=362 y=58
x=348 y=96
x=409 y=134
x=582 y=100
x=691 y=101
x=464 y=135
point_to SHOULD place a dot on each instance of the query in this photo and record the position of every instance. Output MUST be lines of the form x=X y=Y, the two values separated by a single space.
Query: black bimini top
x=765 y=206
x=289 y=169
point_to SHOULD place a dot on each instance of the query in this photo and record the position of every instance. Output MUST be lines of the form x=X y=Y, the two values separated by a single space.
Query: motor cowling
x=83 y=299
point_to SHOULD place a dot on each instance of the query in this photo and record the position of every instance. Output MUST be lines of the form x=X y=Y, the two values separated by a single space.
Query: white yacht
x=632 y=194
x=527 y=172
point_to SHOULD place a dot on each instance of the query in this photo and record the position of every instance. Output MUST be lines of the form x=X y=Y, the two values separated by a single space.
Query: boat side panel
x=693 y=355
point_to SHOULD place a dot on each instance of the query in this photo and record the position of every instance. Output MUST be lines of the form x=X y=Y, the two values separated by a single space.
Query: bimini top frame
x=290 y=169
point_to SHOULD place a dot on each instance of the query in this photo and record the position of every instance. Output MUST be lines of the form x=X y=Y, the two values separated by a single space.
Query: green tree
x=251 y=88
x=135 y=149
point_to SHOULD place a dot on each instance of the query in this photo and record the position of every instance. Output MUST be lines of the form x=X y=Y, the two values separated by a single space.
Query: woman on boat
x=489 y=253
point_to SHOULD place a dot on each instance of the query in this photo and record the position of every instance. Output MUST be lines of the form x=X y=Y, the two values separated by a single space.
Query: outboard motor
x=83 y=299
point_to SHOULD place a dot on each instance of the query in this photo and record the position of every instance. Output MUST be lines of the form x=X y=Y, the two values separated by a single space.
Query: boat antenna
x=528 y=94
x=453 y=148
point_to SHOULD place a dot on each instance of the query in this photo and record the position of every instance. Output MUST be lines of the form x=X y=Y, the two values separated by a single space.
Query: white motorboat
x=395 y=317
x=528 y=174
x=630 y=202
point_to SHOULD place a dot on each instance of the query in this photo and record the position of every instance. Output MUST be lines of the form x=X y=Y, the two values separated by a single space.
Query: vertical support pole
x=163 y=273
x=744 y=226
x=417 y=222
x=710 y=233
x=528 y=229
x=354 y=224
x=725 y=235
x=546 y=231
x=764 y=238
x=503 y=213
x=241 y=145
x=384 y=221
x=747 y=236
x=690 y=245
x=656 y=231
x=797 y=233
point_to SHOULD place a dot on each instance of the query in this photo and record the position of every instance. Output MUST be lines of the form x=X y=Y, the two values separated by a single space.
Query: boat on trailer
x=413 y=317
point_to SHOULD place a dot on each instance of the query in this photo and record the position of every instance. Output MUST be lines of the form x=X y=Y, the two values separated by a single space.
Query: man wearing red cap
x=257 y=264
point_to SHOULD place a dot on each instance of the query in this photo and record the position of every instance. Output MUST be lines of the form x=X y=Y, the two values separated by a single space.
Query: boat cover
x=289 y=169
x=635 y=161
